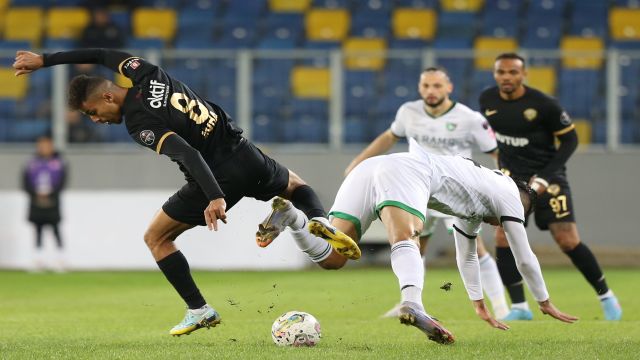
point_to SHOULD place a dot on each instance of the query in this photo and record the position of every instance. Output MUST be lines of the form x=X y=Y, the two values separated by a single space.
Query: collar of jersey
x=424 y=107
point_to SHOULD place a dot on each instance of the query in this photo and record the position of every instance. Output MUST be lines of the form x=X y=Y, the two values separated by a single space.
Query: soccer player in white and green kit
x=443 y=126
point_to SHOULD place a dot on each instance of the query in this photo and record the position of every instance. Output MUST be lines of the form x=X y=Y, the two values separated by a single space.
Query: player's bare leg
x=566 y=236
x=159 y=238
x=403 y=229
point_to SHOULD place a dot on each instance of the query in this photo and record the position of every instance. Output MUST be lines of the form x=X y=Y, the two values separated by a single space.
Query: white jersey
x=452 y=133
x=412 y=181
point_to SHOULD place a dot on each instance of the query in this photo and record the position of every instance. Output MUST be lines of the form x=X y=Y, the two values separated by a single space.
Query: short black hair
x=510 y=56
x=526 y=192
x=81 y=88
x=436 y=68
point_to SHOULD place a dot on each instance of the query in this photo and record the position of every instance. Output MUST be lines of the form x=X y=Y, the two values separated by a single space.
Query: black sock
x=305 y=199
x=176 y=269
x=584 y=260
x=510 y=275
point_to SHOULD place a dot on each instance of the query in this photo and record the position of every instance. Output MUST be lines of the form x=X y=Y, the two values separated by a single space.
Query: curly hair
x=81 y=88
x=526 y=192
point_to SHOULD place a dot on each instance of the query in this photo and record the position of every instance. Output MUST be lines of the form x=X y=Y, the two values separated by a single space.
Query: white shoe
x=394 y=312
x=282 y=215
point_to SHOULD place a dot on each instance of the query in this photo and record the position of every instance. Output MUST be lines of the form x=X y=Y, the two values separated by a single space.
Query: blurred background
x=312 y=82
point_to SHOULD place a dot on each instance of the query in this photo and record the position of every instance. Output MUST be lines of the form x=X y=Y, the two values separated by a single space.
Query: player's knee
x=153 y=239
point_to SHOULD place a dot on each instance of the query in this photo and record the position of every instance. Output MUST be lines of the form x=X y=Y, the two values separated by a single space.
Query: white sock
x=605 y=295
x=300 y=221
x=407 y=264
x=316 y=248
x=201 y=310
x=521 y=306
x=492 y=284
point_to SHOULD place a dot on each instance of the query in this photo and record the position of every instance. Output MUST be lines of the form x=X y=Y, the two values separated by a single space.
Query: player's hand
x=485 y=315
x=548 y=308
x=539 y=185
x=214 y=212
x=27 y=62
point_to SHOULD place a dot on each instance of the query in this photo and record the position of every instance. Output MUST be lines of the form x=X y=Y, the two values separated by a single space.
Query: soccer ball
x=296 y=328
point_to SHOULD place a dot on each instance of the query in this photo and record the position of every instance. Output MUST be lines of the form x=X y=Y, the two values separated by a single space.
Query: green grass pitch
x=127 y=315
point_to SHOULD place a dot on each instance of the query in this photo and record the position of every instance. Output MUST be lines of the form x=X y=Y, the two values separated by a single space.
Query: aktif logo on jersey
x=147 y=137
x=451 y=126
x=157 y=91
x=530 y=114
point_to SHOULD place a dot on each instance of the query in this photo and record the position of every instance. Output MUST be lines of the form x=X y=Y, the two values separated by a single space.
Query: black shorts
x=248 y=172
x=555 y=204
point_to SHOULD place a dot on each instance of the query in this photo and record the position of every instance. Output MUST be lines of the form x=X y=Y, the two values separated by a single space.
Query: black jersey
x=159 y=105
x=525 y=129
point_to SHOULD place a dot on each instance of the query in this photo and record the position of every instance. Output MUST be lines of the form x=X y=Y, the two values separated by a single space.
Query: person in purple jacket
x=43 y=179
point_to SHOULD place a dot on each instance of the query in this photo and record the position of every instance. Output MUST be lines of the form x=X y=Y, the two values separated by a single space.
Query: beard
x=435 y=104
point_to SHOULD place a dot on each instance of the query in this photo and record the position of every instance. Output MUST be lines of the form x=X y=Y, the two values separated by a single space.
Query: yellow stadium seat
x=487 y=48
x=592 y=59
x=409 y=23
x=67 y=22
x=295 y=6
x=327 y=24
x=583 y=129
x=364 y=53
x=13 y=87
x=542 y=78
x=461 y=5
x=154 y=23
x=624 y=24
x=311 y=82
x=24 y=23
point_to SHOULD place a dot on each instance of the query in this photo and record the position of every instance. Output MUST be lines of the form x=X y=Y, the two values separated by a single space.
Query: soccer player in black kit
x=527 y=123
x=221 y=167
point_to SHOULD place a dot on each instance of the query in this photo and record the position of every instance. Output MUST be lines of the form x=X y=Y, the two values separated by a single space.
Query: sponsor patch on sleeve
x=132 y=64
x=147 y=137
x=565 y=119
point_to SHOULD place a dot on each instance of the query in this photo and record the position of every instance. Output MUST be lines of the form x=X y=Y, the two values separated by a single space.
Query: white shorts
x=378 y=182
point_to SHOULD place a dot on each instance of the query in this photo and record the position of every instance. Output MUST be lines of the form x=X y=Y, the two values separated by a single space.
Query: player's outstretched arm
x=548 y=308
x=380 y=145
x=484 y=314
x=27 y=62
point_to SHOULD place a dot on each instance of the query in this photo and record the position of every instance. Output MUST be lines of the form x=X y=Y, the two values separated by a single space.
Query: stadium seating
x=310 y=82
x=590 y=57
x=542 y=78
x=408 y=23
x=154 y=23
x=624 y=24
x=14 y=24
x=13 y=87
x=488 y=48
x=364 y=54
x=287 y=6
x=327 y=24
x=406 y=27
x=66 y=22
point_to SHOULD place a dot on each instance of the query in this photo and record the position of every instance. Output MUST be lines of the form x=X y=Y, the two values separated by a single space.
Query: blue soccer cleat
x=612 y=309
x=518 y=314
x=196 y=319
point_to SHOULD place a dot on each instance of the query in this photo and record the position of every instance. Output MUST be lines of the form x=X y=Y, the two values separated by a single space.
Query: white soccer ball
x=296 y=328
